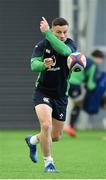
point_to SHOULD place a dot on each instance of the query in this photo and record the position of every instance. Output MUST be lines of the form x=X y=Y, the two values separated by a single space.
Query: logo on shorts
x=45 y=99
x=61 y=116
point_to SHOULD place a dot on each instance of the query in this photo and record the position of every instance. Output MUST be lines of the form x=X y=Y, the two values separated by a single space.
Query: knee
x=46 y=127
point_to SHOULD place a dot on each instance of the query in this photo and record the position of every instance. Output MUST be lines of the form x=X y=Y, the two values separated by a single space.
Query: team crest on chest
x=45 y=99
x=48 y=51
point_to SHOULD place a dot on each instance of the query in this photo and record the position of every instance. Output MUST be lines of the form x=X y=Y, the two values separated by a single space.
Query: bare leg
x=57 y=129
x=44 y=113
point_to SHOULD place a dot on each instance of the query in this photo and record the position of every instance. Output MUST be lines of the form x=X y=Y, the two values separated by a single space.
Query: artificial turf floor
x=83 y=157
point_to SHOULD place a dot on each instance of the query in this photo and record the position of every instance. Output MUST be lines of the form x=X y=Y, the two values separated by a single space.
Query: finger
x=48 y=59
x=44 y=19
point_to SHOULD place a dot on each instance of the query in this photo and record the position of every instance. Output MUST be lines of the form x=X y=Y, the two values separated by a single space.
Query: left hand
x=44 y=26
x=48 y=62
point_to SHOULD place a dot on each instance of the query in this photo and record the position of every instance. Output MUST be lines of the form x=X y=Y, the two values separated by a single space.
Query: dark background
x=19 y=32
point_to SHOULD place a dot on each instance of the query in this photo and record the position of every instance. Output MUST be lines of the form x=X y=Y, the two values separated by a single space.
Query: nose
x=62 y=35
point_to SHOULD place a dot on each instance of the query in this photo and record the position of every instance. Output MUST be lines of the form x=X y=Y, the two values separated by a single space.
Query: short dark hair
x=97 y=53
x=59 y=21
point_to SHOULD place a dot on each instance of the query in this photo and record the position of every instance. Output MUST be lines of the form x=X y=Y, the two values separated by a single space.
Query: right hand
x=44 y=26
x=48 y=62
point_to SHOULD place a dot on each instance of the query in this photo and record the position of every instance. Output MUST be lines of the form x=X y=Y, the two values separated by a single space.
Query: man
x=88 y=77
x=49 y=58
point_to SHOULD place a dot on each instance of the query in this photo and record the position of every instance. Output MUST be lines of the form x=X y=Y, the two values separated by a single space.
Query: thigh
x=44 y=113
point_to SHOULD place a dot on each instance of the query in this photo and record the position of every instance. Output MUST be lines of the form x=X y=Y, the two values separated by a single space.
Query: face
x=61 y=32
x=98 y=60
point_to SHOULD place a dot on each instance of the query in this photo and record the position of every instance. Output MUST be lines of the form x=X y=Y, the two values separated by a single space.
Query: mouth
x=63 y=39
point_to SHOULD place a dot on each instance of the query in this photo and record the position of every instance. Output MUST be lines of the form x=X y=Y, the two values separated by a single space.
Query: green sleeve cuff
x=59 y=46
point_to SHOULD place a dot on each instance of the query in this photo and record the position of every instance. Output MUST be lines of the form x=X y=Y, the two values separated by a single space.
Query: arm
x=91 y=84
x=59 y=46
x=37 y=65
x=77 y=78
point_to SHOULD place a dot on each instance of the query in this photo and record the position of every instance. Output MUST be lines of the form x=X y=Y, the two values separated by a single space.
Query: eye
x=59 y=32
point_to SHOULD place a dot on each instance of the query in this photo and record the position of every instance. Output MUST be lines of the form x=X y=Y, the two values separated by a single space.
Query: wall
x=19 y=31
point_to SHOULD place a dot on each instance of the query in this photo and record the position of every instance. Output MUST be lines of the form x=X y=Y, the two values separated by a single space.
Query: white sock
x=48 y=160
x=34 y=139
